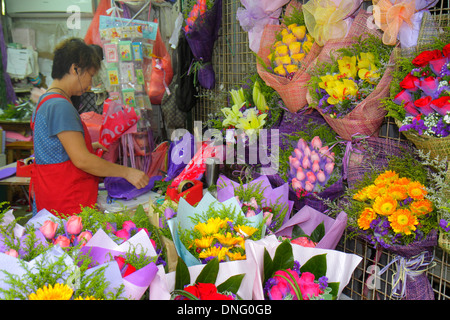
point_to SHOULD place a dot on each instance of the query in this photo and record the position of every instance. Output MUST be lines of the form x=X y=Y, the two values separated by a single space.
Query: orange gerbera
x=416 y=190
x=360 y=196
x=398 y=192
x=385 y=205
x=420 y=207
x=403 y=221
x=387 y=177
x=402 y=181
x=366 y=217
x=372 y=191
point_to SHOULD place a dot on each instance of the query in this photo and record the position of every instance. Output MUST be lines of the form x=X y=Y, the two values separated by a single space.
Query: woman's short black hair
x=74 y=51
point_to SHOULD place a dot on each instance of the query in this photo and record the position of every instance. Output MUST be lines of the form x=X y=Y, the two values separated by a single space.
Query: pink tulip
x=12 y=253
x=316 y=143
x=300 y=174
x=307 y=152
x=298 y=153
x=296 y=184
x=314 y=156
x=48 y=229
x=128 y=225
x=74 y=225
x=294 y=162
x=84 y=237
x=311 y=176
x=301 y=144
x=269 y=216
x=323 y=150
x=250 y=213
x=321 y=176
x=309 y=186
x=330 y=157
x=306 y=164
x=62 y=241
x=329 y=167
x=315 y=166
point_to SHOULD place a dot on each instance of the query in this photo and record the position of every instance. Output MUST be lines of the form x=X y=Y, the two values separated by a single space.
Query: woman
x=67 y=171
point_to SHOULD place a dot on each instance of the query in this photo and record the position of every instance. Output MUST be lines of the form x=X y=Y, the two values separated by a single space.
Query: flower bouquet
x=346 y=89
x=336 y=266
x=309 y=227
x=255 y=15
x=213 y=229
x=391 y=210
x=421 y=102
x=285 y=54
x=258 y=197
x=203 y=20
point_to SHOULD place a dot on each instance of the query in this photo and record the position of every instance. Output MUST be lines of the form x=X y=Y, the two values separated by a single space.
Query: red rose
x=129 y=269
x=192 y=290
x=441 y=105
x=426 y=56
x=410 y=82
x=206 y=289
x=424 y=105
x=446 y=50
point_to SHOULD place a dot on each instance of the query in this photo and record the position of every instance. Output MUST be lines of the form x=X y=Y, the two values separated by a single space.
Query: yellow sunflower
x=204 y=242
x=227 y=240
x=87 y=298
x=403 y=221
x=420 y=207
x=385 y=205
x=57 y=292
x=235 y=256
x=372 y=191
x=220 y=253
x=416 y=190
x=246 y=231
x=212 y=226
x=366 y=217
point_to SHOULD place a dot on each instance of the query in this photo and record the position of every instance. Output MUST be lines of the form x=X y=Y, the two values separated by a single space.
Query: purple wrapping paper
x=225 y=191
x=201 y=40
x=308 y=219
x=119 y=188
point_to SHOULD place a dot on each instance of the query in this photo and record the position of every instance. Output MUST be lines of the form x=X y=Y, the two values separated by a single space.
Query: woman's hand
x=137 y=178
x=98 y=145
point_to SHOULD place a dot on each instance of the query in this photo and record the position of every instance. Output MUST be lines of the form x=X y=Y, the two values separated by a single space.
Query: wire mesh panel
x=233 y=61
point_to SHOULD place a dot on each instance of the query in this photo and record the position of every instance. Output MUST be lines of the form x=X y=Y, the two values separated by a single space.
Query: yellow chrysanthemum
x=220 y=253
x=57 y=292
x=398 y=192
x=246 y=231
x=227 y=240
x=204 y=242
x=211 y=227
x=421 y=207
x=235 y=256
x=385 y=205
x=416 y=190
x=366 y=217
x=403 y=221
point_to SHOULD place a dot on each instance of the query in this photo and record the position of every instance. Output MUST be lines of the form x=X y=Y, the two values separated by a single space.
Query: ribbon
x=325 y=20
x=389 y=17
x=412 y=267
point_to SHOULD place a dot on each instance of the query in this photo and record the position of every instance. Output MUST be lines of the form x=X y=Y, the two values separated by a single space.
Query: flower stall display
x=255 y=15
x=258 y=197
x=420 y=104
x=346 y=89
x=203 y=20
x=338 y=270
x=213 y=229
x=309 y=227
x=285 y=54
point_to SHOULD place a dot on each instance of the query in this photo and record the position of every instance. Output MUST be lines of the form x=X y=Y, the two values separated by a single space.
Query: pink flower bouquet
x=339 y=265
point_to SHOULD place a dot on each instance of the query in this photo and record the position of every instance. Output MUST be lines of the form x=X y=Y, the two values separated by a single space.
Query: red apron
x=62 y=188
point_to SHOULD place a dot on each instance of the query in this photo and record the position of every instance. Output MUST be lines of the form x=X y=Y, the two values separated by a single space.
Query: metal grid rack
x=233 y=61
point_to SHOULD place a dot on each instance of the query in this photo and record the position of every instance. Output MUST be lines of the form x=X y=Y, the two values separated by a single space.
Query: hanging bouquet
x=213 y=229
x=204 y=287
x=203 y=20
x=286 y=52
x=421 y=101
x=258 y=197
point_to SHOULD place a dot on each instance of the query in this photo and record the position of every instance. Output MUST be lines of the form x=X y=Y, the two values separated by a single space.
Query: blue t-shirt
x=54 y=116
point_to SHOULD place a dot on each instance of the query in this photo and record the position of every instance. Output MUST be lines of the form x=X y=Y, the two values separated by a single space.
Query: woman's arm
x=75 y=146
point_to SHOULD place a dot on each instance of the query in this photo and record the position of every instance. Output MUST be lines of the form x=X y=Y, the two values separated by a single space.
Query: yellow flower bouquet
x=285 y=53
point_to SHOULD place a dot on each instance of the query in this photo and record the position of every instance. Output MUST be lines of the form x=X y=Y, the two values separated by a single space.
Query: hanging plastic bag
x=93 y=35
